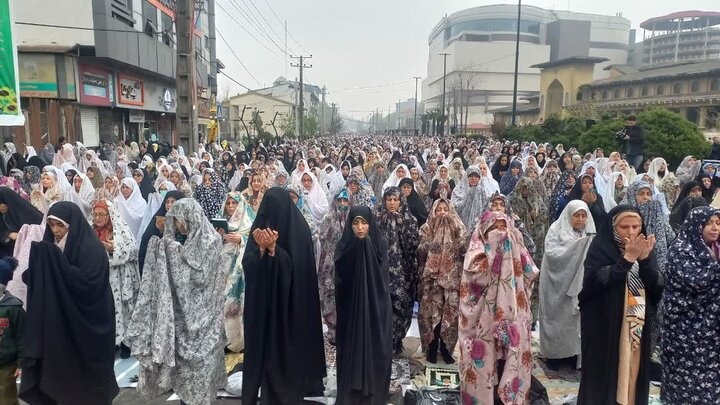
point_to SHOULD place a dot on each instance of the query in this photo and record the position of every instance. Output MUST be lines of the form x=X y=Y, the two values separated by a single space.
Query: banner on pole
x=10 y=114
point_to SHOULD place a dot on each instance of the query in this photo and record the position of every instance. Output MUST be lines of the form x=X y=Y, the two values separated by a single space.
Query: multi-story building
x=272 y=104
x=691 y=88
x=480 y=43
x=678 y=37
x=405 y=115
x=104 y=70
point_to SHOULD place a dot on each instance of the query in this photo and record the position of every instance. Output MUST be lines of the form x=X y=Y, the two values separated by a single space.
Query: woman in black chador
x=364 y=312
x=621 y=289
x=70 y=323
x=14 y=213
x=284 y=350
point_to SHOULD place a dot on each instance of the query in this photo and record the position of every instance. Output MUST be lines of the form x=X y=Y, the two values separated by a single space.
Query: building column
x=702 y=118
x=683 y=111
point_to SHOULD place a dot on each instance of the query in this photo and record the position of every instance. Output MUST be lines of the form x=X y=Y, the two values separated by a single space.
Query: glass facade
x=494 y=25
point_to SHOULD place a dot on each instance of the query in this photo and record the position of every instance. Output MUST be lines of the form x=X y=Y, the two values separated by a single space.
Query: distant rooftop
x=663 y=72
x=690 y=19
x=574 y=60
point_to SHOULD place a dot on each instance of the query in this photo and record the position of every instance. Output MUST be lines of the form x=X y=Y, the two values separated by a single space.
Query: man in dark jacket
x=634 y=142
x=715 y=152
x=12 y=317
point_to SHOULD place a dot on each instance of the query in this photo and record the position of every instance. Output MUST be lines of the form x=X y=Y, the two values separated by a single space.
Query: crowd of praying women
x=274 y=250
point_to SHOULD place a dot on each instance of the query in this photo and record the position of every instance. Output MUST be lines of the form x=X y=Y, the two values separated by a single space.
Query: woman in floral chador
x=495 y=314
x=400 y=229
x=240 y=217
x=440 y=266
x=691 y=340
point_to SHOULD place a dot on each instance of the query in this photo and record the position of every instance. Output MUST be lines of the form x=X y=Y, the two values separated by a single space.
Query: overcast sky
x=367 y=51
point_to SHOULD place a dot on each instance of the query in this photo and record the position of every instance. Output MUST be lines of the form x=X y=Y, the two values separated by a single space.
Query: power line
x=283 y=24
x=237 y=57
x=235 y=81
x=253 y=21
x=264 y=19
x=250 y=33
x=70 y=27
x=373 y=86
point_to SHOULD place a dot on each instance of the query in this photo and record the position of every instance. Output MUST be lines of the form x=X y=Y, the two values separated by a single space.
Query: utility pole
x=517 y=60
x=184 y=79
x=415 y=116
x=322 y=113
x=286 y=53
x=301 y=65
x=297 y=110
x=397 y=118
x=377 y=119
x=332 y=119
x=444 y=55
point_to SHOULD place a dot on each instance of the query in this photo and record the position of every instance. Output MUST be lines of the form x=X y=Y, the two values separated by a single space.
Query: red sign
x=95 y=86
x=130 y=90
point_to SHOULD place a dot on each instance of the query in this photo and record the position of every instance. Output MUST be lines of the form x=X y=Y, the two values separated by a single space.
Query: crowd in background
x=174 y=256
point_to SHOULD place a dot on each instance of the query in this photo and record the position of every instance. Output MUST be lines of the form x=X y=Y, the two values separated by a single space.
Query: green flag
x=10 y=114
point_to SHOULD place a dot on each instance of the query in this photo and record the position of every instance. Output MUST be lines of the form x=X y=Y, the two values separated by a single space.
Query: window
x=677 y=88
x=150 y=17
x=495 y=25
x=715 y=85
x=645 y=91
x=616 y=93
x=604 y=95
x=695 y=87
x=121 y=10
x=167 y=29
x=629 y=92
x=660 y=90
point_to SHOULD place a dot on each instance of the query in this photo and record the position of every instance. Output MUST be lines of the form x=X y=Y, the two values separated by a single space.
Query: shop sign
x=137 y=116
x=95 y=85
x=38 y=75
x=167 y=101
x=131 y=91
x=9 y=87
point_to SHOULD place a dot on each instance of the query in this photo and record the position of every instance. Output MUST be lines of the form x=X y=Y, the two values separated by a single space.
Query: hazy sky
x=367 y=51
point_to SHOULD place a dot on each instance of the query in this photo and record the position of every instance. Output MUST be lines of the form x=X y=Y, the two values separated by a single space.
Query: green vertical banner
x=10 y=114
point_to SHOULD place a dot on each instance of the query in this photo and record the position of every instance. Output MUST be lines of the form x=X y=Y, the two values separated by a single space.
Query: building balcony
x=117 y=41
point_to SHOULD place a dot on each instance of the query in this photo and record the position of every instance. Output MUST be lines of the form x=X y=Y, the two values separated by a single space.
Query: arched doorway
x=554 y=99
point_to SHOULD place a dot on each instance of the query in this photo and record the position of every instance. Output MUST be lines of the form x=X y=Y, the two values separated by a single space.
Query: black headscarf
x=683 y=207
x=17 y=161
x=245 y=181
x=602 y=307
x=707 y=193
x=364 y=314
x=70 y=323
x=152 y=229
x=20 y=212
x=146 y=186
x=37 y=162
x=284 y=348
x=597 y=209
x=561 y=161
x=499 y=167
x=415 y=203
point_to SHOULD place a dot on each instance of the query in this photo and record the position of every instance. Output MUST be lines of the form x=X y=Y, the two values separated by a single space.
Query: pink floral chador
x=440 y=266
x=495 y=316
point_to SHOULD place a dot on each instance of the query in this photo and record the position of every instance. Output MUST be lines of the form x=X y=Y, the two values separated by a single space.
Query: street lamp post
x=517 y=60
x=415 y=115
x=442 y=113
